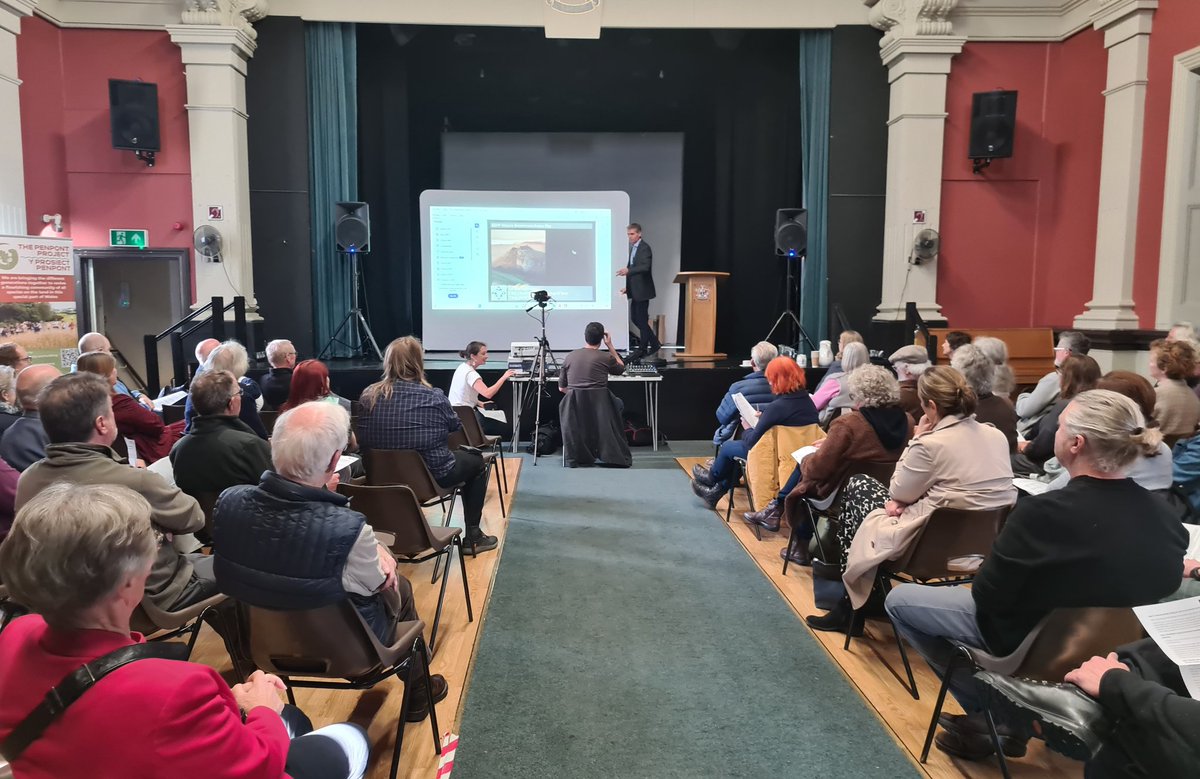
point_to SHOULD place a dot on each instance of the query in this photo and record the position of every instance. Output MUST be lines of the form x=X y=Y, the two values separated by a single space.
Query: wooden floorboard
x=378 y=709
x=873 y=665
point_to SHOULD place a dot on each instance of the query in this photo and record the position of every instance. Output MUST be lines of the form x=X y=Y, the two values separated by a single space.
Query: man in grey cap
x=910 y=362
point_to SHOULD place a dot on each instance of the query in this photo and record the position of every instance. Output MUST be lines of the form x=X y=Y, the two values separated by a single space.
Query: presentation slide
x=485 y=254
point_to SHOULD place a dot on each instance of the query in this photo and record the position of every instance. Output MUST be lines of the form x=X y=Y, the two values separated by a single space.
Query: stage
x=688 y=396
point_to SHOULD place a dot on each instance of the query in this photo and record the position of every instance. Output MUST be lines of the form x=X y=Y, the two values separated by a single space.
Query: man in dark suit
x=639 y=288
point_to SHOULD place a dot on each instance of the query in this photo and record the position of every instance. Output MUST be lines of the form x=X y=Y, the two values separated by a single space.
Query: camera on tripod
x=541 y=297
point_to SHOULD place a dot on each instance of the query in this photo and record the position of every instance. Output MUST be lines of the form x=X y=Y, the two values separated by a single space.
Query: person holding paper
x=792 y=407
x=1128 y=714
x=152 y=439
x=1102 y=540
x=753 y=387
x=467 y=386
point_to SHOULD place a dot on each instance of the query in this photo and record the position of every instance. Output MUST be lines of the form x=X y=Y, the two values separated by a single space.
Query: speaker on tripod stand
x=352 y=235
x=791 y=243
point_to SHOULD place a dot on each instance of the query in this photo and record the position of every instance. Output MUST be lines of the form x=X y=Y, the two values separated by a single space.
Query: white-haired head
x=307 y=440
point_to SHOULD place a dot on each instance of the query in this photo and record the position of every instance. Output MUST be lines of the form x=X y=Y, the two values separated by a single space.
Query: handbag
x=74 y=685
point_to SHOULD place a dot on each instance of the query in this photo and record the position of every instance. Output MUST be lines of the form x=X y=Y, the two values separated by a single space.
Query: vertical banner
x=37 y=297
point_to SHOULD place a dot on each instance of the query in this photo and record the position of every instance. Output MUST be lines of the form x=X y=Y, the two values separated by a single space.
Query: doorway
x=128 y=295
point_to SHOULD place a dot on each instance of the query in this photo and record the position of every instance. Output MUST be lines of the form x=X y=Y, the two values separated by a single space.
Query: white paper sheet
x=494 y=413
x=346 y=461
x=747 y=411
x=1031 y=486
x=1175 y=627
x=169 y=400
x=802 y=452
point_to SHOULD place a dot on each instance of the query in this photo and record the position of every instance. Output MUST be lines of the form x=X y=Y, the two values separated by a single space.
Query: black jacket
x=639 y=284
x=276 y=384
x=221 y=451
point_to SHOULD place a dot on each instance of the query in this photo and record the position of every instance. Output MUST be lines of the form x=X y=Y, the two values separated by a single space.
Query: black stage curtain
x=734 y=95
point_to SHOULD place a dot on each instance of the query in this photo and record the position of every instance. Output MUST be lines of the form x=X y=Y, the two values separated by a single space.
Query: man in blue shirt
x=754 y=387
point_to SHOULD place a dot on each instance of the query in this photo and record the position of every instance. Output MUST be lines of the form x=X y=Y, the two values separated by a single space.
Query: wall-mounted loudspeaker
x=791 y=232
x=133 y=114
x=352 y=227
x=993 y=125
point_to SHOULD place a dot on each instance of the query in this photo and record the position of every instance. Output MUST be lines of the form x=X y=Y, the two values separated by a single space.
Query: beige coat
x=961 y=463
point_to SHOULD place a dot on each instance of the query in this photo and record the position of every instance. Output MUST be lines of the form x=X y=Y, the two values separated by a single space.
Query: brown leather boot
x=768 y=518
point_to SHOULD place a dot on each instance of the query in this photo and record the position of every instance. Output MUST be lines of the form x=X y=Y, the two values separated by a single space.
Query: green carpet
x=629 y=635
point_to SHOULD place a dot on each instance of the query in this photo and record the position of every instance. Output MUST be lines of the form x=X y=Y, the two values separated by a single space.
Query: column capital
x=241 y=14
x=911 y=18
x=1120 y=20
x=13 y=11
x=921 y=54
x=204 y=44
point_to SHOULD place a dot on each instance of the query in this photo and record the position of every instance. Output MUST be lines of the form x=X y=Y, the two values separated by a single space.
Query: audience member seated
x=221 y=450
x=8 y=496
x=876 y=431
x=590 y=414
x=1184 y=331
x=231 y=356
x=846 y=337
x=98 y=342
x=1177 y=408
x=277 y=381
x=9 y=411
x=1185 y=471
x=80 y=556
x=1076 y=374
x=402 y=411
x=792 y=407
x=14 y=356
x=588 y=367
x=1100 y=541
x=78 y=416
x=753 y=386
x=991 y=409
x=151 y=438
x=909 y=362
x=204 y=350
x=311 y=382
x=1128 y=714
x=1033 y=405
x=24 y=442
x=1152 y=469
x=952 y=461
x=953 y=340
x=834 y=395
x=293 y=542
x=467 y=387
x=1005 y=381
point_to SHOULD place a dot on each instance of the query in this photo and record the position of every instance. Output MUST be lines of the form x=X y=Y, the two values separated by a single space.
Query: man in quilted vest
x=293 y=542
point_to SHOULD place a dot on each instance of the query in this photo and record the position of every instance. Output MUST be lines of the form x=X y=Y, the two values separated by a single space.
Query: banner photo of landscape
x=37 y=298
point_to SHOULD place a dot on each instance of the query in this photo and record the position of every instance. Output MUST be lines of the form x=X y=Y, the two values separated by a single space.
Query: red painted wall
x=1018 y=240
x=1176 y=29
x=70 y=165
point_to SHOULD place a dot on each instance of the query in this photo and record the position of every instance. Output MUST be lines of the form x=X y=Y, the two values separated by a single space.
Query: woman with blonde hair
x=402 y=411
x=1078 y=373
x=952 y=461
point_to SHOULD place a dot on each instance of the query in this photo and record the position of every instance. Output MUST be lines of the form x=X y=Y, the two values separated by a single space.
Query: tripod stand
x=792 y=290
x=538 y=373
x=357 y=321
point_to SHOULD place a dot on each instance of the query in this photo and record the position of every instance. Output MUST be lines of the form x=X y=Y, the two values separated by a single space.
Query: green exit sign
x=138 y=239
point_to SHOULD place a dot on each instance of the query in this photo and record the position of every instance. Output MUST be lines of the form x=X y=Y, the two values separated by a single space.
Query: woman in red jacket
x=94 y=548
x=150 y=436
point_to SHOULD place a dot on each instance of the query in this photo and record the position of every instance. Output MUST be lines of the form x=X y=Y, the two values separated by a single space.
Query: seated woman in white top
x=467 y=387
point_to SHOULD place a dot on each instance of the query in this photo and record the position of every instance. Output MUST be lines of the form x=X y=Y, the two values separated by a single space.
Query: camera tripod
x=360 y=333
x=537 y=373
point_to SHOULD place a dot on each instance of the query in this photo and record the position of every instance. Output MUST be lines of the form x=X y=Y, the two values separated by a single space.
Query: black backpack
x=549 y=439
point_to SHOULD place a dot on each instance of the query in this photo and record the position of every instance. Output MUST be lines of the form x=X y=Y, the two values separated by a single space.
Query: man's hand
x=622 y=292
x=623 y=272
x=1087 y=676
x=333 y=482
x=146 y=401
x=387 y=564
x=1189 y=568
x=608 y=341
x=894 y=508
x=1022 y=446
x=261 y=689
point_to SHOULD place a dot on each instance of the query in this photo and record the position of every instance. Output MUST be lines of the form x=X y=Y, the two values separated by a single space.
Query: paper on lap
x=1175 y=627
x=802 y=452
x=494 y=413
x=345 y=461
x=1031 y=486
x=748 y=412
x=168 y=400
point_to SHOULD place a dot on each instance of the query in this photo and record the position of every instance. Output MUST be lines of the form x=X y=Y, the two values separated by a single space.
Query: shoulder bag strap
x=74 y=685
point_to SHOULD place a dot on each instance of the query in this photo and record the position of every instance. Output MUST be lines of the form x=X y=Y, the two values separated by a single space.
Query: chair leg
x=437 y=563
x=792 y=541
x=291 y=693
x=503 y=468
x=937 y=707
x=437 y=744
x=437 y=617
x=912 y=682
x=194 y=633
x=499 y=490
x=462 y=564
x=856 y=622
x=405 y=700
x=996 y=742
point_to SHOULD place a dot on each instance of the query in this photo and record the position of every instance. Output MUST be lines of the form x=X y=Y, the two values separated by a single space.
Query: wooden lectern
x=700 y=315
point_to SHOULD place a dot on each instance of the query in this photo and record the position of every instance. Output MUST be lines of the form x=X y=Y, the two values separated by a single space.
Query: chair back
x=770 y=462
x=952 y=533
x=327 y=642
x=1063 y=640
x=402 y=466
x=471 y=427
x=395 y=510
x=207 y=501
x=173 y=414
x=148 y=618
x=268 y=419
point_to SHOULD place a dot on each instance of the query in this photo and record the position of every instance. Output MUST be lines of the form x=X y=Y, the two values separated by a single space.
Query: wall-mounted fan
x=925 y=246
x=207 y=240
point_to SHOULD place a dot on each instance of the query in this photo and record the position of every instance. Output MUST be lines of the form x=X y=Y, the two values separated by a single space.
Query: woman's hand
x=1189 y=568
x=261 y=689
x=1087 y=676
x=923 y=426
x=894 y=508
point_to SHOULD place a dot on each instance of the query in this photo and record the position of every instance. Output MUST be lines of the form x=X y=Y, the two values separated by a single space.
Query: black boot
x=837 y=620
x=477 y=541
x=702 y=475
x=709 y=495
x=768 y=518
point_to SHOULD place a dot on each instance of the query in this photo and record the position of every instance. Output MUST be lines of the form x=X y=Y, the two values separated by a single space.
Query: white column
x=215 y=59
x=916 y=49
x=12 y=162
x=1126 y=25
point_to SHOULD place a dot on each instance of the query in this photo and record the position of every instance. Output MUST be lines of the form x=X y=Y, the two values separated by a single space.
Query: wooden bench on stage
x=1030 y=349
